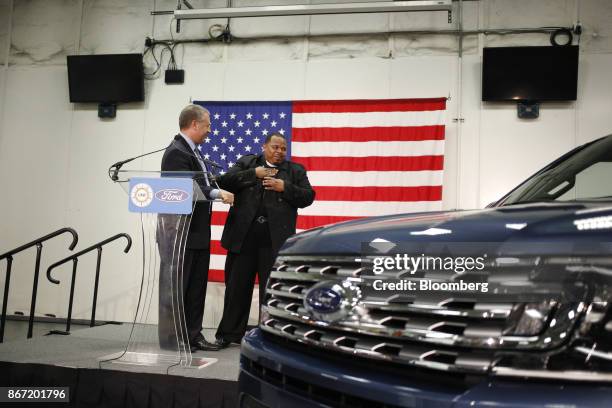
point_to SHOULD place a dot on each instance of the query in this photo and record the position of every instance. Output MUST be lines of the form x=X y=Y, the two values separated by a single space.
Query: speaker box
x=174 y=76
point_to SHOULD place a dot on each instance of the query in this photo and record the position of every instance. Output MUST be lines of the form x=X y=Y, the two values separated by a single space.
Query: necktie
x=198 y=155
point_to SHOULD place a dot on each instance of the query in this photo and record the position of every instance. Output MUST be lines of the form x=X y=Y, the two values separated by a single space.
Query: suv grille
x=453 y=334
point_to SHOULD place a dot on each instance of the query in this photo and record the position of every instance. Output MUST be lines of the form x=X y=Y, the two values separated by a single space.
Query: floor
x=85 y=346
x=16 y=330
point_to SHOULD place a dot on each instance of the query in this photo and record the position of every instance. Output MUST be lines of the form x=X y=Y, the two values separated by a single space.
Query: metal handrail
x=75 y=260
x=9 y=262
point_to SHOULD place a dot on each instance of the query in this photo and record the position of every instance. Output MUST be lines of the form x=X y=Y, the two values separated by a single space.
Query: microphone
x=113 y=170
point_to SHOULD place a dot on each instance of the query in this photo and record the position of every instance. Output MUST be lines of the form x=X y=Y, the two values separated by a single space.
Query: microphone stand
x=113 y=171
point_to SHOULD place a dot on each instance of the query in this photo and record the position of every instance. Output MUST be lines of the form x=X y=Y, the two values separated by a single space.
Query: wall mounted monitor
x=107 y=78
x=530 y=73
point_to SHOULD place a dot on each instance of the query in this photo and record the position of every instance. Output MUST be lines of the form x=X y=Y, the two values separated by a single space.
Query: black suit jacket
x=281 y=208
x=179 y=157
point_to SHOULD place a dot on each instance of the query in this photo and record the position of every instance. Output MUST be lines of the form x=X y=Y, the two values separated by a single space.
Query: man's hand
x=261 y=172
x=271 y=183
x=227 y=197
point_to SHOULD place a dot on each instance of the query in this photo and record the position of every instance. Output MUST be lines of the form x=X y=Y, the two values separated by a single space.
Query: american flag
x=363 y=157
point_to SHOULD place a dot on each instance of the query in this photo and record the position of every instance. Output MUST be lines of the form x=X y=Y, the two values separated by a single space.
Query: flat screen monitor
x=107 y=78
x=530 y=73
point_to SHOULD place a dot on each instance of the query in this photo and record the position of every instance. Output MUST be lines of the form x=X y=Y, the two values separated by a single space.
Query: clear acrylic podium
x=164 y=203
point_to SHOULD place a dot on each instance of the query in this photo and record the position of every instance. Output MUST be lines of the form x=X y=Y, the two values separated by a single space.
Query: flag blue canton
x=240 y=128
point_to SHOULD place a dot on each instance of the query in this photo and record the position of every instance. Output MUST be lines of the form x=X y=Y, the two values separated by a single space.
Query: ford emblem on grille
x=324 y=300
x=331 y=300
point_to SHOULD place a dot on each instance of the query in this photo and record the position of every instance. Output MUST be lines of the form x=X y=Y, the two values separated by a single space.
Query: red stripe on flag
x=371 y=163
x=370 y=134
x=312 y=221
x=216 y=275
x=218 y=218
x=216 y=248
x=370 y=105
x=420 y=193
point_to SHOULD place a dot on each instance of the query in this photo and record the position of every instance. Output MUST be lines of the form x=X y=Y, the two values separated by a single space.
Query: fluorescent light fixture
x=312 y=9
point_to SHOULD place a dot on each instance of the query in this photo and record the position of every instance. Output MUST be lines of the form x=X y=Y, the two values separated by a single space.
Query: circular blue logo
x=331 y=300
x=323 y=300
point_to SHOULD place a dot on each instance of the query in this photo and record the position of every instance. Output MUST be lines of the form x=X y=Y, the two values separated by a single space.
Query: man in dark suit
x=268 y=191
x=184 y=240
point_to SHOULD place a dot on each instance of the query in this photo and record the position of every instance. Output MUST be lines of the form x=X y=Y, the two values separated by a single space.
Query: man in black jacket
x=185 y=240
x=268 y=191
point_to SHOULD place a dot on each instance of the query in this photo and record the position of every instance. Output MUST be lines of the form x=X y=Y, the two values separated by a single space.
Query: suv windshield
x=585 y=175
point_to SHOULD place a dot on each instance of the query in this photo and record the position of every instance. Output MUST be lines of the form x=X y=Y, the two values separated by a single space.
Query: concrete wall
x=54 y=154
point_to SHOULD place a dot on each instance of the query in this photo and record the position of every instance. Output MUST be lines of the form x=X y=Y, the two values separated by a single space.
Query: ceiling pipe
x=314 y=9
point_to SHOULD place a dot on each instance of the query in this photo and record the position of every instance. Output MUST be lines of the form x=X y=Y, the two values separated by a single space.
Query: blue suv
x=540 y=337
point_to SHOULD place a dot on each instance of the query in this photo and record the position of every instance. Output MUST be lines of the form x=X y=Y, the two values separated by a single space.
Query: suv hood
x=548 y=221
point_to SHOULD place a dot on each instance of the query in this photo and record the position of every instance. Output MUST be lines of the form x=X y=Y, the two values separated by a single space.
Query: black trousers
x=255 y=258
x=190 y=287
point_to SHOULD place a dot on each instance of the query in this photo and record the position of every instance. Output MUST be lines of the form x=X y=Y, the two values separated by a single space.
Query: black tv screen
x=530 y=73
x=106 y=78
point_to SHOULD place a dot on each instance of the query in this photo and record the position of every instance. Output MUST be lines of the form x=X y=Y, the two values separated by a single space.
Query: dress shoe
x=222 y=343
x=202 y=344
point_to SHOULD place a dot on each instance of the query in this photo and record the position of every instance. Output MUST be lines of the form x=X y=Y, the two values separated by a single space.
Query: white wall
x=54 y=155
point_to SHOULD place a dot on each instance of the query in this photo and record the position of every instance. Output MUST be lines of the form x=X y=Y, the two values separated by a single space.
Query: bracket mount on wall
x=528 y=109
x=107 y=110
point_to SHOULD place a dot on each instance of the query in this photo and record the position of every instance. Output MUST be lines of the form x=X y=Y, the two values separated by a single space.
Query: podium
x=164 y=203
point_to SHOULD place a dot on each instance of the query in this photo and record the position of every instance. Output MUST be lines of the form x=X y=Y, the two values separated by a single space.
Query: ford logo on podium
x=172 y=195
x=332 y=300
x=161 y=195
